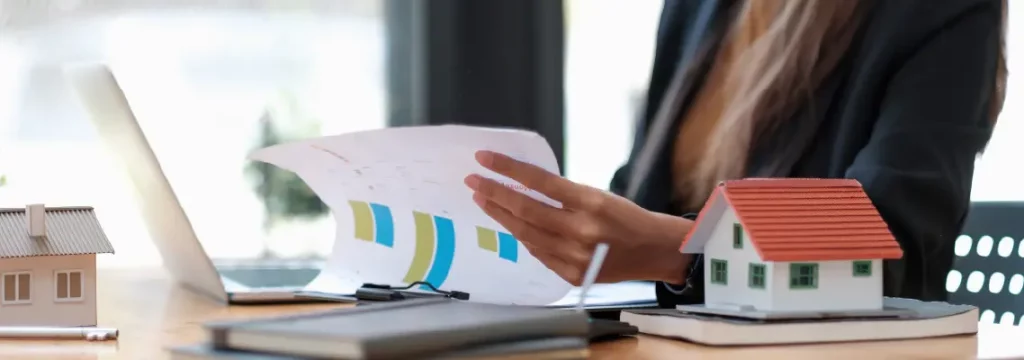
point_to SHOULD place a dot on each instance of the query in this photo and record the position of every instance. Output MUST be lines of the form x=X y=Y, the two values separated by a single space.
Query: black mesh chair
x=988 y=271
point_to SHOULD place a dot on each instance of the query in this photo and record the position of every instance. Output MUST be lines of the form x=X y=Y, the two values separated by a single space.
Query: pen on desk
x=591 y=275
x=44 y=332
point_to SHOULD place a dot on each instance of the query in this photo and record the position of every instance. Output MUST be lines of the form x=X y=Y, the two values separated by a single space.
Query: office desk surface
x=153 y=314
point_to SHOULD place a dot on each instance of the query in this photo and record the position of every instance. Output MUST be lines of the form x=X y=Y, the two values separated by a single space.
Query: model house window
x=803 y=276
x=69 y=285
x=756 y=280
x=719 y=272
x=737 y=236
x=17 y=288
x=861 y=268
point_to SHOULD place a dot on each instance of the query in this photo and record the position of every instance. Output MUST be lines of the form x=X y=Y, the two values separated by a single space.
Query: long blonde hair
x=788 y=48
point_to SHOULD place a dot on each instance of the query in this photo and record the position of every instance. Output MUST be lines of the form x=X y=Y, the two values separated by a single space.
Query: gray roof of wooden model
x=69 y=231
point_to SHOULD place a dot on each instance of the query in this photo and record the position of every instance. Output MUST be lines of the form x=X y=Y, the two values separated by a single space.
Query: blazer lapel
x=701 y=40
x=780 y=156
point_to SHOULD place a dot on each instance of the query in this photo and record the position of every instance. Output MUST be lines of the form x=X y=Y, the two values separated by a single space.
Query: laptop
x=234 y=281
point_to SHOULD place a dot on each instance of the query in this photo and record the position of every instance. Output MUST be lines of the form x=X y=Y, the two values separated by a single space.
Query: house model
x=48 y=266
x=791 y=246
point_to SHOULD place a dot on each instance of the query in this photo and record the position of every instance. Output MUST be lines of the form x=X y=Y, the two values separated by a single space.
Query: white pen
x=591 y=275
x=45 y=332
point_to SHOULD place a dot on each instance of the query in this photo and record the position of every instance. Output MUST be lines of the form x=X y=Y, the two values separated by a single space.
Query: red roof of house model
x=801 y=219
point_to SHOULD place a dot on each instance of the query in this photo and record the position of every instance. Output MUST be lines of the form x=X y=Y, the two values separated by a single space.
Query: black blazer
x=905 y=113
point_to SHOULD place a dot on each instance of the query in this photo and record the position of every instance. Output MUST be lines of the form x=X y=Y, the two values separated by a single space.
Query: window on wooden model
x=69 y=285
x=737 y=236
x=803 y=276
x=756 y=280
x=17 y=288
x=719 y=272
x=861 y=268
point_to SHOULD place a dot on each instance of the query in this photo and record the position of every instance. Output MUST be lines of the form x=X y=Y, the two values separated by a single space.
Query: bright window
x=69 y=285
x=607 y=68
x=997 y=174
x=17 y=288
x=202 y=82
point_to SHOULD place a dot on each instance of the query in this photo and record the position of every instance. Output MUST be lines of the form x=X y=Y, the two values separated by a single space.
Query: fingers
x=567 y=271
x=519 y=204
x=551 y=185
x=531 y=236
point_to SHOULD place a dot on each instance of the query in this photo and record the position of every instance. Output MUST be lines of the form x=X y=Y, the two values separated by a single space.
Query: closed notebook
x=919 y=319
x=412 y=328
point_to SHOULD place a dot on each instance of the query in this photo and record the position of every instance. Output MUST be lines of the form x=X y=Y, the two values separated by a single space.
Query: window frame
x=724 y=272
x=751 y=276
x=794 y=276
x=737 y=236
x=81 y=286
x=17 y=288
x=867 y=268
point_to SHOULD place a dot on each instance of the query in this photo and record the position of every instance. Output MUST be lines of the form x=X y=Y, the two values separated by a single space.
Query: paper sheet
x=616 y=294
x=404 y=213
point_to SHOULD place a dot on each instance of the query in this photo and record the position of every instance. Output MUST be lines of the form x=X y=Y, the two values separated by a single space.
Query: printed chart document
x=404 y=213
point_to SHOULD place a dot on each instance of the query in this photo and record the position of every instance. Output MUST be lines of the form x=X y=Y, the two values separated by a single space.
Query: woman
x=899 y=95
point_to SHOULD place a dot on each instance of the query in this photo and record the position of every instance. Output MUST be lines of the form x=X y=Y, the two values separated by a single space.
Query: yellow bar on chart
x=424 y=247
x=487 y=239
x=363 y=220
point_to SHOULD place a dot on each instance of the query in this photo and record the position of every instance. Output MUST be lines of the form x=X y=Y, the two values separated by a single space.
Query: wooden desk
x=153 y=314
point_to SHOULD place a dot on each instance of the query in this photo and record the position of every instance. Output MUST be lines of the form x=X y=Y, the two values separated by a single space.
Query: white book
x=923 y=320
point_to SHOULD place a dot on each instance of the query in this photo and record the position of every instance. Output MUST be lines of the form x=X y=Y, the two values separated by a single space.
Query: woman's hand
x=643 y=245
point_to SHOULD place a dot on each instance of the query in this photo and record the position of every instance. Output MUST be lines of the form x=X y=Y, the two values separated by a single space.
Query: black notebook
x=412 y=328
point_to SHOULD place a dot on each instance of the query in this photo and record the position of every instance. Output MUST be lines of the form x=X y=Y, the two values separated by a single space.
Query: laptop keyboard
x=271 y=277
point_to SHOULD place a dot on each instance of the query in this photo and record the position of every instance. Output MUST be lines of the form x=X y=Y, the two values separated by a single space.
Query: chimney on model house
x=36 y=215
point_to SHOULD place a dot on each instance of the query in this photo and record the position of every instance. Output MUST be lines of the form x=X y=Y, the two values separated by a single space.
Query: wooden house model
x=48 y=266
